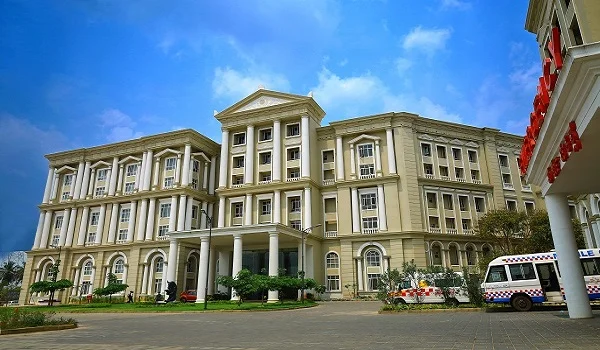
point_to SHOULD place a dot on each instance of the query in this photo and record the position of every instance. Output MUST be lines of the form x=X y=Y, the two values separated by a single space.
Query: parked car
x=188 y=295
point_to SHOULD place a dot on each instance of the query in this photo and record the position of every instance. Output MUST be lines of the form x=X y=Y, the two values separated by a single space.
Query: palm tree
x=11 y=273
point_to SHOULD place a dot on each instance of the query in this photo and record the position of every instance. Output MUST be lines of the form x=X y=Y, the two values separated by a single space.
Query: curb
x=57 y=327
x=430 y=311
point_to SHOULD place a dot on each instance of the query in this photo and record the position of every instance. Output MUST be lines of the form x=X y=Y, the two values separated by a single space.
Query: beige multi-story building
x=343 y=202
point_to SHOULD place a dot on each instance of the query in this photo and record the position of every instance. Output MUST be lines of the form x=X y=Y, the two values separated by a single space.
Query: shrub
x=11 y=318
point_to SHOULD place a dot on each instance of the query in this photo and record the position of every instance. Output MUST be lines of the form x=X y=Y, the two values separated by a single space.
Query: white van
x=522 y=280
x=408 y=293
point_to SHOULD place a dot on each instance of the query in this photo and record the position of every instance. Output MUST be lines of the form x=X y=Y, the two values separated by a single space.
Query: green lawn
x=174 y=307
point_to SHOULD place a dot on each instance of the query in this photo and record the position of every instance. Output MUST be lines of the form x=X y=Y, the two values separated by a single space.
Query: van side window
x=496 y=274
x=591 y=266
x=519 y=272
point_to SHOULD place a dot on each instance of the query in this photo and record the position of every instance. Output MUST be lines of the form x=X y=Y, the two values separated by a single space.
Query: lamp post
x=302 y=273
x=54 y=273
x=209 y=221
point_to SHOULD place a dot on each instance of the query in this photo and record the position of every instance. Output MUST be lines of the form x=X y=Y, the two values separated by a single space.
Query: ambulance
x=524 y=280
x=428 y=293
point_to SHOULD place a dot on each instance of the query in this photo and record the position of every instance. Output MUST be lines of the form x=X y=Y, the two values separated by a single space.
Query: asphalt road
x=332 y=325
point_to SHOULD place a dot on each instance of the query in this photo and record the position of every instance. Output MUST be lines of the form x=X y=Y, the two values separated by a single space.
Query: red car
x=188 y=295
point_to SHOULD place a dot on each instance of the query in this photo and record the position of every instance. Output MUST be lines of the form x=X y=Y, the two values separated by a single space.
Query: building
x=560 y=150
x=347 y=201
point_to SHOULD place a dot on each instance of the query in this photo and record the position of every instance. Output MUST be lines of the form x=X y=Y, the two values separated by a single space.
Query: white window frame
x=236 y=135
x=170 y=163
x=125 y=215
x=507 y=161
x=164 y=210
x=369 y=203
x=162 y=230
x=260 y=131
x=68 y=180
x=100 y=191
x=365 y=150
x=88 y=267
x=65 y=195
x=291 y=201
x=237 y=210
x=369 y=169
x=94 y=216
x=330 y=263
x=58 y=222
x=370 y=222
x=443 y=202
x=289 y=149
x=466 y=201
x=122 y=236
x=101 y=174
x=262 y=154
x=437 y=202
x=476 y=156
x=475 y=203
x=287 y=129
x=512 y=201
x=421 y=144
x=235 y=160
x=131 y=169
x=296 y=224
x=129 y=187
x=119 y=266
x=459 y=152
x=445 y=151
x=169 y=182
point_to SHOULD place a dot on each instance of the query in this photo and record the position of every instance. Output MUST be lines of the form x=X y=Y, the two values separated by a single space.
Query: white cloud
x=118 y=125
x=232 y=84
x=427 y=41
x=429 y=109
x=526 y=79
x=403 y=64
x=455 y=4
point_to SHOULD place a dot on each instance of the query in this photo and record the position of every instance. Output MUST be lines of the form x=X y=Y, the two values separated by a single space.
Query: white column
x=377 y=158
x=276 y=207
x=276 y=150
x=54 y=186
x=79 y=180
x=381 y=208
x=150 y=219
x=156 y=174
x=114 y=174
x=212 y=262
x=141 y=175
x=391 y=153
x=596 y=225
x=71 y=228
x=38 y=231
x=273 y=295
x=309 y=261
x=352 y=162
x=114 y=221
x=132 y=217
x=224 y=158
x=83 y=225
x=248 y=210
x=211 y=179
x=181 y=213
x=202 y=216
x=173 y=214
x=305 y=147
x=224 y=257
x=138 y=177
x=355 y=210
x=172 y=260
x=221 y=220
x=148 y=171
x=205 y=175
x=237 y=260
x=73 y=185
x=100 y=227
x=576 y=294
x=48 y=188
x=145 y=279
x=90 y=190
x=211 y=208
x=120 y=179
x=359 y=274
x=141 y=229
x=249 y=161
x=444 y=253
x=85 y=181
x=178 y=171
x=185 y=179
x=307 y=208
x=76 y=282
x=202 y=270
x=339 y=158
x=188 y=214
x=63 y=228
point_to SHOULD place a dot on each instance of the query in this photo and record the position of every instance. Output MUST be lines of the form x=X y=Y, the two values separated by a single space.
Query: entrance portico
x=231 y=242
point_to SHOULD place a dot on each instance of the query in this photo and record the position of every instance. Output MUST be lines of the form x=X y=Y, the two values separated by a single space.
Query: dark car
x=188 y=295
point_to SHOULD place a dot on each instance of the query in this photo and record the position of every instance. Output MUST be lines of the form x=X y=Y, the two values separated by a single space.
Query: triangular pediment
x=472 y=144
x=364 y=137
x=441 y=139
x=262 y=99
x=425 y=137
x=457 y=142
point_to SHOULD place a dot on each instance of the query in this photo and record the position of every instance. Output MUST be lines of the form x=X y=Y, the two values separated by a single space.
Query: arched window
x=87 y=268
x=119 y=266
x=159 y=265
x=454 y=255
x=436 y=255
x=373 y=258
x=373 y=268
x=471 y=256
x=333 y=261
x=191 y=265
x=486 y=251
x=48 y=269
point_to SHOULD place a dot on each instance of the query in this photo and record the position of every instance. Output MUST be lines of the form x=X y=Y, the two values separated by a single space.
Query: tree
x=242 y=283
x=50 y=287
x=11 y=269
x=504 y=229
x=113 y=287
x=388 y=282
x=539 y=238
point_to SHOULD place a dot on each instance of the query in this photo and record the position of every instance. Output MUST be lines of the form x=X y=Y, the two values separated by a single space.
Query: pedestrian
x=130 y=297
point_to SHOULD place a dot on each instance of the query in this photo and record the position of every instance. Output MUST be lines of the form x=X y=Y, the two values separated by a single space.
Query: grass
x=173 y=307
x=404 y=307
x=18 y=317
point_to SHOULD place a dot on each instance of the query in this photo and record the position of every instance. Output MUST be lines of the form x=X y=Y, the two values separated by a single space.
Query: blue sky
x=84 y=73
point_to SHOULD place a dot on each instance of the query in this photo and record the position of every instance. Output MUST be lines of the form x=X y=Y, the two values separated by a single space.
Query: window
x=162 y=230
x=158 y=285
x=333 y=282
x=265 y=207
x=194 y=212
x=87 y=269
x=125 y=214
x=295 y=224
x=265 y=158
x=369 y=223
x=368 y=201
x=506 y=180
x=503 y=159
x=65 y=195
x=479 y=204
x=529 y=207
x=169 y=181
x=238 y=210
x=292 y=130
x=365 y=151
x=463 y=203
x=238 y=162
x=591 y=267
x=333 y=261
x=132 y=170
x=520 y=272
x=91 y=237
x=295 y=205
x=367 y=170
x=119 y=266
x=511 y=205
x=100 y=191
x=441 y=152
x=428 y=168
x=448 y=203
x=58 y=222
x=328 y=157
x=195 y=183
x=472 y=156
x=431 y=200
x=293 y=153
x=68 y=180
x=170 y=163
x=265 y=134
x=265 y=176
x=239 y=139
x=457 y=154
x=450 y=224
x=94 y=219
x=466 y=224
x=444 y=171
x=426 y=150
x=575 y=28
x=165 y=210
x=237 y=180
x=373 y=258
x=195 y=166
x=122 y=235
x=85 y=288
x=102 y=175
x=159 y=265
x=475 y=175
x=459 y=173
x=55 y=240
x=293 y=173
x=129 y=187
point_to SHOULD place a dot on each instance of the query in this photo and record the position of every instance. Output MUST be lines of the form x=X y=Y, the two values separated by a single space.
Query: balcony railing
x=367 y=176
x=237 y=185
x=509 y=186
x=330 y=234
x=461 y=179
x=264 y=182
x=162 y=238
x=370 y=231
x=468 y=231
x=328 y=182
x=477 y=181
x=292 y=179
x=435 y=230
x=526 y=188
x=452 y=231
x=429 y=176
x=445 y=178
x=121 y=241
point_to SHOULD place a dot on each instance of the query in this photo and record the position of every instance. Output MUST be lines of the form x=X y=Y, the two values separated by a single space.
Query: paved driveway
x=333 y=325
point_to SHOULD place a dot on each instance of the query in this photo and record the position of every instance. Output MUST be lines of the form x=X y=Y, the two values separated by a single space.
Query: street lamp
x=209 y=219
x=54 y=272
x=302 y=273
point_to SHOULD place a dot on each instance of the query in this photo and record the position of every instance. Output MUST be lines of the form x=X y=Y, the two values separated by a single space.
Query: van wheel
x=452 y=302
x=399 y=301
x=183 y=300
x=521 y=303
